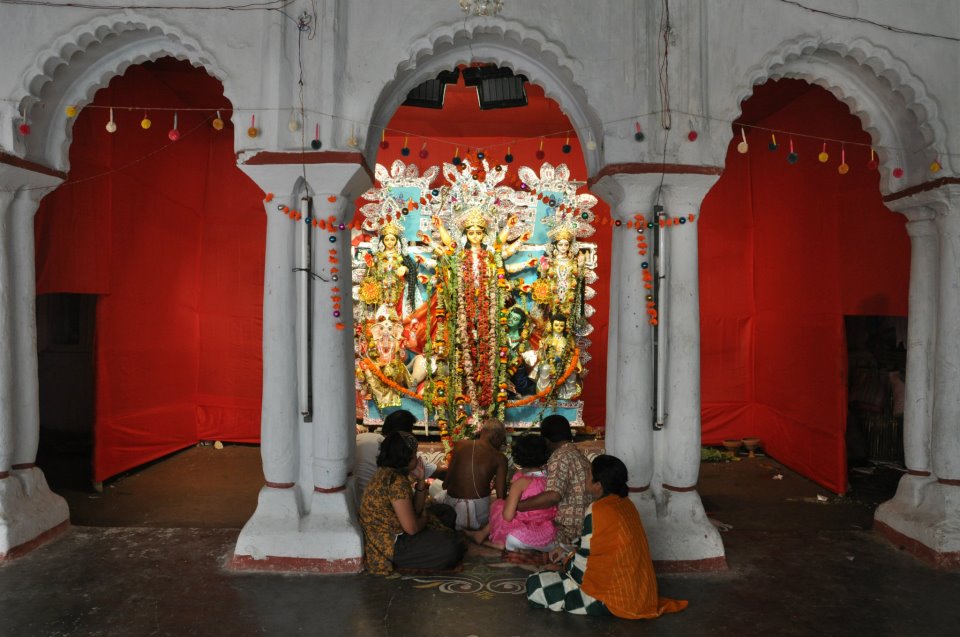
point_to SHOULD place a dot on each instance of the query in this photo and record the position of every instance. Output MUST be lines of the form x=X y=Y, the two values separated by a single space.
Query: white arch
x=84 y=60
x=893 y=104
x=507 y=43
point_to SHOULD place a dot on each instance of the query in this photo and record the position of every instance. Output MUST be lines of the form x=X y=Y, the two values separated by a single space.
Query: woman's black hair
x=396 y=452
x=556 y=428
x=611 y=473
x=530 y=451
x=400 y=420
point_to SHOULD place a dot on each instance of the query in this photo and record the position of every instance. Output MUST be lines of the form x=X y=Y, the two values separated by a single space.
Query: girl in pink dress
x=522 y=530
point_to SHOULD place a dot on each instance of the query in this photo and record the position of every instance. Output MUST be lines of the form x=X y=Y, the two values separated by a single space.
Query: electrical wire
x=880 y=25
x=267 y=5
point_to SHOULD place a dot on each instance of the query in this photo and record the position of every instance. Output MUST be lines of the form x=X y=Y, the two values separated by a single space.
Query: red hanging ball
x=24 y=129
x=692 y=135
x=540 y=154
x=384 y=144
x=898 y=172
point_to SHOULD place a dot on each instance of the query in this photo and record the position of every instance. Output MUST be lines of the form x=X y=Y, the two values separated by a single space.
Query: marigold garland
x=372 y=367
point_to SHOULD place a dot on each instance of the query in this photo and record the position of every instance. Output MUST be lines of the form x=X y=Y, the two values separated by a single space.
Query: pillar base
x=681 y=537
x=279 y=538
x=924 y=519
x=30 y=513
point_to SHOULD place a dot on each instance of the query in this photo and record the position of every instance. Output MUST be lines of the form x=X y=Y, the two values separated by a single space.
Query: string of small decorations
x=253 y=132
x=333 y=256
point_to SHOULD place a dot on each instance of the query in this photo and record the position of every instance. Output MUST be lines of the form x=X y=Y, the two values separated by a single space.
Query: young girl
x=522 y=530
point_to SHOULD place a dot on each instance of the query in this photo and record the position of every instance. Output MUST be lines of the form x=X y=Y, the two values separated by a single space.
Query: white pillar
x=664 y=464
x=924 y=515
x=304 y=518
x=917 y=482
x=29 y=512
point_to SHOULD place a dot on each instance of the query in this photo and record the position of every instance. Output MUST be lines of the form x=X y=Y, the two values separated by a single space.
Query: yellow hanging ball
x=252 y=132
x=823 y=157
x=935 y=167
x=217 y=123
x=145 y=123
x=71 y=111
x=843 y=169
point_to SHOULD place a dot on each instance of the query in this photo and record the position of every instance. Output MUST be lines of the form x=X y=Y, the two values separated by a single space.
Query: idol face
x=558 y=326
x=514 y=320
x=389 y=241
x=563 y=247
x=475 y=235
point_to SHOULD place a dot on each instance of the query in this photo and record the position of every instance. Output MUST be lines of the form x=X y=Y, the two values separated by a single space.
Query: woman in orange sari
x=610 y=571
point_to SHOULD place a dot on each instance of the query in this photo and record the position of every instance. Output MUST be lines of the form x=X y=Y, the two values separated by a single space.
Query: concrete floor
x=797 y=566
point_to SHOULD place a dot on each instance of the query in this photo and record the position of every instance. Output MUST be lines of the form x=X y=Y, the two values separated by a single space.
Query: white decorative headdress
x=385 y=208
x=474 y=198
x=572 y=216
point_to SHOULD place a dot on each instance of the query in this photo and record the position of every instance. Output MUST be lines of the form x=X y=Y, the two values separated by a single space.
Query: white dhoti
x=471 y=514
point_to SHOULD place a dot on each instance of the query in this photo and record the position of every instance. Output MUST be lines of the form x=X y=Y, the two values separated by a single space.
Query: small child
x=522 y=530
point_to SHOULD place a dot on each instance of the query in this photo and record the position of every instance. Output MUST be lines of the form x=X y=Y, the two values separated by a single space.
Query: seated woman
x=522 y=530
x=610 y=572
x=398 y=531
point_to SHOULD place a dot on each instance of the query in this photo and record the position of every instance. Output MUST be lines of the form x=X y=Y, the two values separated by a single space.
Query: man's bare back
x=474 y=464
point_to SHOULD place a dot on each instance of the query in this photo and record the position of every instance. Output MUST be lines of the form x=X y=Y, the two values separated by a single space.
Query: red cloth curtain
x=785 y=252
x=170 y=235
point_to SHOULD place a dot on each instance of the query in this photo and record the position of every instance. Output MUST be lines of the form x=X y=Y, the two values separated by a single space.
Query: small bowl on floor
x=732 y=445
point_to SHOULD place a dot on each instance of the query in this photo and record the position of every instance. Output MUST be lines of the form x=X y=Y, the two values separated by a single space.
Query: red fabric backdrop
x=171 y=238
x=785 y=252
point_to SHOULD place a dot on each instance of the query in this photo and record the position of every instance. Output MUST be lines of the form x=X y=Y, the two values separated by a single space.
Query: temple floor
x=146 y=557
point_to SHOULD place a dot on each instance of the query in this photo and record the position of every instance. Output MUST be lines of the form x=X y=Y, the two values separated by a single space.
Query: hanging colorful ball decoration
x=217 y=122
x=111 y=125
x=24 y=129
x=638 y=135
x=692 y=136
x=405 y=151
x=591 y=143
x=71 y=111
x=772 y=146
x=145 y=123
x=540 y=154
x=897 y=172
x=384 y=144
x=315 y=143
x=508 y=158
x=253 y=131
x=843 y=168
x=935 y=166
x=792 y=156
x=294 y=124
x=743 y=147
x=174 y=133
x=456 y=157
x=424 y=153
x=823 y=157
x=873 y=163
x=566 y=146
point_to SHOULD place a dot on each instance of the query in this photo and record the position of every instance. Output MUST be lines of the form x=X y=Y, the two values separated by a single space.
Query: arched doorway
x=484 y=113
x=155 y=223
x=794 y=237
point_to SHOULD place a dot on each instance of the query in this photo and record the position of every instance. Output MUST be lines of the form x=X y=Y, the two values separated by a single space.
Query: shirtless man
x=474 y=464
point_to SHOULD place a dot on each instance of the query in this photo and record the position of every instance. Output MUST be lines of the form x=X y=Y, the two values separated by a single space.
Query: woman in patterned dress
x=610 y=571
x=398 y=530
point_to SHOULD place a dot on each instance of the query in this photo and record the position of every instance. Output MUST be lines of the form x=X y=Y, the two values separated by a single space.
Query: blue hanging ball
x=639 y=136
x=308 y=220
x=404 y=151
x=480 y=155
x=333 y=239
x=772 y=146
x=434 y=192
x=793 y=158
x=683 y=220
x=457 y=161
x=567 y=148
x=644 y=265
x=315 y=144
x=508 y=158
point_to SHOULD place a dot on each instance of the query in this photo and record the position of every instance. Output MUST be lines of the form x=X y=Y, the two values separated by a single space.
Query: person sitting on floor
x=566 y=486
x=398 y=530
x=522 y=530
x=474 y=464
x=368 y=446
x=610 y=572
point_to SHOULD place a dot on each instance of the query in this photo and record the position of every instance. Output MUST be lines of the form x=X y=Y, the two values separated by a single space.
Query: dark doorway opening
x=65 y=352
